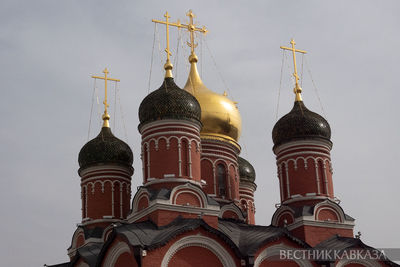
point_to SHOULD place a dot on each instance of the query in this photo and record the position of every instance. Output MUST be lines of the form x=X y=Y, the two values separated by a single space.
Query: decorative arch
x=231 y=208
x=142 y=192
x=192 y=189
x=199 y=241
x=277 y=215
x=114 y=252
x=327 y=204
x=275 y=251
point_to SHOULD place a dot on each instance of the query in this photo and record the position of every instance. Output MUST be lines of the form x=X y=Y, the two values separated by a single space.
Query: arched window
x=221 y=175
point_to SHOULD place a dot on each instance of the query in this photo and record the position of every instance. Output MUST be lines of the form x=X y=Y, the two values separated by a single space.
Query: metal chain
x=152 y=56
x=218 y=71
x=280 y=85
x=315 y=88
x=91 y=109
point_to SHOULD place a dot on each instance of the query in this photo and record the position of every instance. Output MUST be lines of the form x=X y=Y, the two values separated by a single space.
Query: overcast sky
x=49 y=50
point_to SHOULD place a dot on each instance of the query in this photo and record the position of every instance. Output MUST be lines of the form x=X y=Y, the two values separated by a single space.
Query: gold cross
x=191 y=27
x=297 y=89
x=168 y=64
x=105 y=116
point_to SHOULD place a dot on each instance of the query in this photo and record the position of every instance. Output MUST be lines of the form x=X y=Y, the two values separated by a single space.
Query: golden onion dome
x=219 y=115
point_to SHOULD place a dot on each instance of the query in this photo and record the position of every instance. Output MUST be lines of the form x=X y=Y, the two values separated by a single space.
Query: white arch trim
x=199 y=241
x=114 y=253
x=275 y=251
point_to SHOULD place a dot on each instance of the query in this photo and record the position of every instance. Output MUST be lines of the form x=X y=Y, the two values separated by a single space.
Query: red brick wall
x=314 y=235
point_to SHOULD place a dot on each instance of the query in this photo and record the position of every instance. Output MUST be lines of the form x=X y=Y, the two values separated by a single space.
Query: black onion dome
x=246 y=171
x=105 y=148
x=169 y=102
x=300 y=123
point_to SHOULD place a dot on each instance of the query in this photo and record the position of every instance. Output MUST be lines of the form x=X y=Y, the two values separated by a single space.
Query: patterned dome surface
x=246 y=170
x=300 y=123
x=105 y=148
x=169 y=102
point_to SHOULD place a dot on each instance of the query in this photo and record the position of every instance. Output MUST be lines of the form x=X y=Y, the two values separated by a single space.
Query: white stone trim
x=199 y=241
x=162 y=124
x=170 y=180
x=115 y=252
x=288 y=201
x=161 y=205
x=307 y=152
x=234 y=208
x=139 y=195
x=174 y=134
x=218 y=156
x=100 y=221
x=301 y=221
x=217 y=146
x=104 y=169
x=276 y=216
x=287 y=180
x=179 y=157
x=293 y=144
x=95 y=178
x=275 y=251
x=191 y=192
x=339 y=218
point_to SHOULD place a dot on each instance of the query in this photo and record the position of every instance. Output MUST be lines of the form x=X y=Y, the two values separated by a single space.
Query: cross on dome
x=105 y=116
x=297 y=89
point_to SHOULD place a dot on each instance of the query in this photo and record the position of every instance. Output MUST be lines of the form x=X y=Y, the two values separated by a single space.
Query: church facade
x=196 y=204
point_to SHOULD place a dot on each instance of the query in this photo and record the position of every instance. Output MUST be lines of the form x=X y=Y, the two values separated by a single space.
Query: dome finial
x=106 y=116
x=297 y=89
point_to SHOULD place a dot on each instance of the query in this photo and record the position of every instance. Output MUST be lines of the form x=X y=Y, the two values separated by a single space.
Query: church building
x=196 y=204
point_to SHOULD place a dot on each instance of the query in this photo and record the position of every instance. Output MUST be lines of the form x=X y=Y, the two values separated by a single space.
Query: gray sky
x=49 y=49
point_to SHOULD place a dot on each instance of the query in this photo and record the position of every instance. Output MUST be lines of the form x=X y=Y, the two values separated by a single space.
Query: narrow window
x=221 y=174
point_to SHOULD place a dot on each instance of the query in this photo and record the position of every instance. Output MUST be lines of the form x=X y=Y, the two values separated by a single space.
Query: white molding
x=277 y=214
x=288 y=145
x=291 y=200
x=279 y=159
x=115 y=252
x=304 y=221
x=199 y=241
x=275 y=251
x=218 y=156
x=160 y=205
x=138 y=196
x=171 y=180
x=106 y=168
x=157 y=124
x=88 y=180
x=173 y=134
x=339 y=218
x=218 y=144
x=231 y=207
x=101 y=221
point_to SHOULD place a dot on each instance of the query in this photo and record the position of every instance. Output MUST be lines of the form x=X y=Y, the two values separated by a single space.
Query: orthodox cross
x=297 y=89
x=191 y=27
x=168 y=64
x=105 y=116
